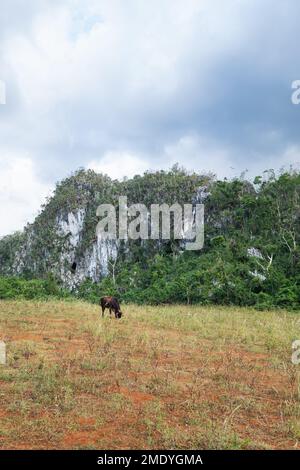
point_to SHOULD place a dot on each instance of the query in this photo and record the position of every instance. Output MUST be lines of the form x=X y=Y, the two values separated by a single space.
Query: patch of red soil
x=3 y=413
x=135 y=396
x=27 y=337
x=80 y=438
x=86 y=421
x=113 y=434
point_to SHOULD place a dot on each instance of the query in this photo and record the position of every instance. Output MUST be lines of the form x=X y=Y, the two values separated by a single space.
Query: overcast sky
x=125 y=86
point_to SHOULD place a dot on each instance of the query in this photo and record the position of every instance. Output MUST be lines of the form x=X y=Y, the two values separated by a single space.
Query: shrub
x=17 y=288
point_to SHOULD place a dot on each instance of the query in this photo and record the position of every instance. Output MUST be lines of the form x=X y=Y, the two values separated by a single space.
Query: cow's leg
x=110 y=312
x=103 y=308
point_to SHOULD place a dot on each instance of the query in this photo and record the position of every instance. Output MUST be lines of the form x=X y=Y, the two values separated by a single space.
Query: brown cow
x=112 y=304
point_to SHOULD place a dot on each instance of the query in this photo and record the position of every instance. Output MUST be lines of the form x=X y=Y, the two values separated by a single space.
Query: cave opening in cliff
x=73 y=267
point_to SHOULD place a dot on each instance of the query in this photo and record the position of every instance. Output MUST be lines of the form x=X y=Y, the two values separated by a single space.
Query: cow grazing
x=112 y=304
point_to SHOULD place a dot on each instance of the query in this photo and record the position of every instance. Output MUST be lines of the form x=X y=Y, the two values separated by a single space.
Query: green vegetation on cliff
x=251 y=254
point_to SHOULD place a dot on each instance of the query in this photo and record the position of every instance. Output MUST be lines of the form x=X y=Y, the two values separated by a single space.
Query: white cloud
x=190 y=151
x=291 y=157
x=162 y=82
x=198 y=154
x=121 y=70
x=21 y=193
x=119 y=164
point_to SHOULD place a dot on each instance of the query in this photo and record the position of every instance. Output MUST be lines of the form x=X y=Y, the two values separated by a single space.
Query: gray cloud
x=96 y=84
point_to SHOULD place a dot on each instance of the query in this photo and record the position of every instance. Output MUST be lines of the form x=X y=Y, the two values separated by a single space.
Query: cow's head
x=119 y=314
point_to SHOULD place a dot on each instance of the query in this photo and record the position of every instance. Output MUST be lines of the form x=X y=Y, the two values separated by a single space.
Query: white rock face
x=68 y=254
x=255 y=253
x=258 y=275
x=202 y=194
x=72 y=226
x=93 y=263
x=20 y=256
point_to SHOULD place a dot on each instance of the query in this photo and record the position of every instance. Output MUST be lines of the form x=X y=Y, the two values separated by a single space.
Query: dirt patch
x=135 y=396
x=26 y=337
x=3 y=413
x=84 y=421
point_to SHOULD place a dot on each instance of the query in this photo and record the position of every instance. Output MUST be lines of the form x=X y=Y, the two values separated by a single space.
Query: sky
x=122 y=87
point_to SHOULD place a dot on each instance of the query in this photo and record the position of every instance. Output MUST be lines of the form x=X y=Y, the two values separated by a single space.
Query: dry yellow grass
x=161 y=377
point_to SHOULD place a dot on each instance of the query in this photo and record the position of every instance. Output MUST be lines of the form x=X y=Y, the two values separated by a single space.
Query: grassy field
x=176 y=377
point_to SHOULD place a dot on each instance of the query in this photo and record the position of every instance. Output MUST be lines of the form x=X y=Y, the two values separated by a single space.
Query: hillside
x=250 y=257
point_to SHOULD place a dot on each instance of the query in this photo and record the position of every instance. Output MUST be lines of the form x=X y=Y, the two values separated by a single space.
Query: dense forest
x=251 y=253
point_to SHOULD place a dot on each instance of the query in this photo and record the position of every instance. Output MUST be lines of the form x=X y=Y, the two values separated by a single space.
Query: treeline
x=251 y=254
x=14 y=288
